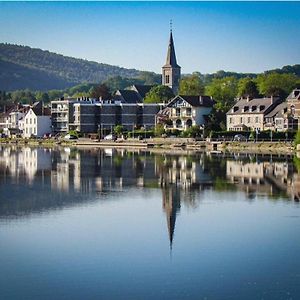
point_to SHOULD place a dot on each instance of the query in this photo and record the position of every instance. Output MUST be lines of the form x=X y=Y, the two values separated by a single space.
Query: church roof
x=171 y=56
x=127 y=96
x=142 y=89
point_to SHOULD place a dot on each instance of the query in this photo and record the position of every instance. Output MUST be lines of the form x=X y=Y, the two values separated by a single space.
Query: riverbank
x=180 y=144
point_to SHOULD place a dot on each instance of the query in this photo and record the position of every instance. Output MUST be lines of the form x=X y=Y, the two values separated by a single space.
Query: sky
x=208 y=36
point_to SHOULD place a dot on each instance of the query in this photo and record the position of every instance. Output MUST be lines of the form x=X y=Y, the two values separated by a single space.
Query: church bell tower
x=171 y=71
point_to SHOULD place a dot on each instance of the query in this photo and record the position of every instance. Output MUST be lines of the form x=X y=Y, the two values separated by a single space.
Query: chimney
x=200 y=100
x=272 y=99
x=248 y=98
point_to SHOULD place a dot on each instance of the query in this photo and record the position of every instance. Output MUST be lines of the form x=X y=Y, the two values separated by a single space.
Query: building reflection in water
x=269 y=175
x=68 y=176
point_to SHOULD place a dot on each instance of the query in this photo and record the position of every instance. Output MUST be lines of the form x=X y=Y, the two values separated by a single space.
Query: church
x=183 y=111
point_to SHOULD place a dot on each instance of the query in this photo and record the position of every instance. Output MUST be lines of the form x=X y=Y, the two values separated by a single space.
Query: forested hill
x=23 y=67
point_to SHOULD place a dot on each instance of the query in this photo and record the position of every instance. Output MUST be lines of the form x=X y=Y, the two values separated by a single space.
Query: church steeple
x=171 y=70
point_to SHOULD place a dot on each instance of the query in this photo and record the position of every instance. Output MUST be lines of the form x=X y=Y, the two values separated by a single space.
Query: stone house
x=250 y=114
x=293 y=106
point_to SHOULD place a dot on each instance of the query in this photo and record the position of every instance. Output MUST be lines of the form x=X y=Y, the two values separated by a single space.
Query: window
x=178 y=112
x=241 y=120
x=230 y=120
x=167 y=79
x=188 y=111
x=249 y=119
x=256 y=119
x=30 y=121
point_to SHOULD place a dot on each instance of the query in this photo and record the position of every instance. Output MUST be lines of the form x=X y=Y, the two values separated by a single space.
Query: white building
x=37 y=122
x=183 y=112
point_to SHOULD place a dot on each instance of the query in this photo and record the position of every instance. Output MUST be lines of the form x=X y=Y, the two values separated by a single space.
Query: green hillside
x=23 y=67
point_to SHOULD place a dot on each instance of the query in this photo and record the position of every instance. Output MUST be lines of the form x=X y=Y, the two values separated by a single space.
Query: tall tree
x=191 y=85
x=158 y=94
x=101 y=91
x=224 y=92
x=247 y=87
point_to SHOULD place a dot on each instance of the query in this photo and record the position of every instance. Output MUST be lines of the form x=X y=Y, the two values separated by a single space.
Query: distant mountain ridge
x=24 y=67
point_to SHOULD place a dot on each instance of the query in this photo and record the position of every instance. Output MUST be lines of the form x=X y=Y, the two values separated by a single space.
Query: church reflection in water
x=57 y=178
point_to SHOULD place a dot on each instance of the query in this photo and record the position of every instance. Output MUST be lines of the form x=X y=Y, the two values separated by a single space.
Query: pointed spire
x=171 y=56
x=171 y=205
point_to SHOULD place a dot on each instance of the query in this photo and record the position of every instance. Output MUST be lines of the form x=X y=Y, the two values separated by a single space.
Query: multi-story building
x=183 y=112
x=92 y=117
x=62 y=114
x=293 y=106
x=250 y=114
x=37 y=122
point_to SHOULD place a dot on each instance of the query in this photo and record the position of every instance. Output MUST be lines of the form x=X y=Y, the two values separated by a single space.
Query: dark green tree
x=191 y=85
x=224 y=92
x=247 y=87
x=159 y=94
x=101 y=91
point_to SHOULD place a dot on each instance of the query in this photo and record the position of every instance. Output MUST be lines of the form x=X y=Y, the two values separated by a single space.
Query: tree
x=159 y=94
x=275 y=84
x=191 y=85
x=118 y=130
x=247 y=88
x=44 y=97
x=224 y=92
x=159 y=130
x=101 y=91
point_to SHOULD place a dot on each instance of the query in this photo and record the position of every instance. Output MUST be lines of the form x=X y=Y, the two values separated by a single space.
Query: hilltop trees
x=275 y=84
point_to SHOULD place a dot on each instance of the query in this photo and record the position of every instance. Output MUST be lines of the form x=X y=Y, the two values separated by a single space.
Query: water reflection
x=39 y=179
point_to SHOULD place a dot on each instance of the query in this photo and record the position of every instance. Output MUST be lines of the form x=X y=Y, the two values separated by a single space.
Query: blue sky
x=209 y=36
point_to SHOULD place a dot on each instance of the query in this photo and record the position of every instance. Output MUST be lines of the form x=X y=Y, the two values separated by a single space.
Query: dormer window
x=261 y=108
x=292 y=109
x=253 y=108
x=246 y=108
x=235 y=108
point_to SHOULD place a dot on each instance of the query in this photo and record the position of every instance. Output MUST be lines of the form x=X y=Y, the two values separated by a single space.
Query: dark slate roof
x=142 y=89
x=127 y=96
x=196 y=101
x=46 y=111
x=171 y=56
x=255 y=106
x=277 y=111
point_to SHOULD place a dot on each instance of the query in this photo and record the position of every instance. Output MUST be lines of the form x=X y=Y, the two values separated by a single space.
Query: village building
x=183 y=112
x=293 y=106
x=92 y=117
x=250 y=114
x=37 y=121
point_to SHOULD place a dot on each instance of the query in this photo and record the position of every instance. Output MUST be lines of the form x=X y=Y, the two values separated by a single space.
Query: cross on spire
x=171 y=24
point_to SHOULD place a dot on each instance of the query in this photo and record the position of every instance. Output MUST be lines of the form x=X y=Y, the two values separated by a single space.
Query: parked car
x=239 y=138
x=110 y=137
x=70 y=137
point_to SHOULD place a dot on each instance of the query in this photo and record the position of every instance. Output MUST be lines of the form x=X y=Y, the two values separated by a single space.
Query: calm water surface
x=107 y=224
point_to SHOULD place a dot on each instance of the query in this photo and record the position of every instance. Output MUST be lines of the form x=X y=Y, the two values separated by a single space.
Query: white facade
x=35 y=125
